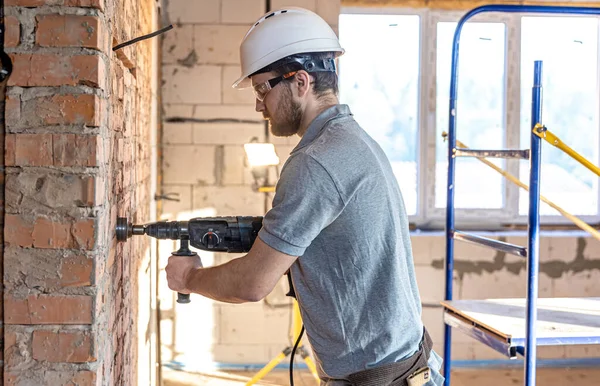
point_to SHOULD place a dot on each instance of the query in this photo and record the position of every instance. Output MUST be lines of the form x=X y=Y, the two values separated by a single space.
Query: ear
x=302 y=81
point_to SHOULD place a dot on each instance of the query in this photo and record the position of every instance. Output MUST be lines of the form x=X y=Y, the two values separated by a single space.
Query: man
x=338 y=221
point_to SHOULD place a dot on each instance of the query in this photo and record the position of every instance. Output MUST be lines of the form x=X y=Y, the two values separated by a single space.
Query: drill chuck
x=164 y=230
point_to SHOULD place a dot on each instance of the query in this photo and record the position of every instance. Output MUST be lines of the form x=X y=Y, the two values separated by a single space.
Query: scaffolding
x=515 y=326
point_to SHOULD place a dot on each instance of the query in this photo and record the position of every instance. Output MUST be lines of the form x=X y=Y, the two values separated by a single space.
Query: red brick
x=13 y=32
x=75 y=150
x=2 y=346
x=76 y=271
x=28 y=150
x=99 y=4
x=85 y=3
x=62 y=346
x=18 y=231
x=56 y=70
x=68 y=31
x=84 y=234
x=45 y=233
x=10 y=142
x=47 y=309
x=50 y=234
x=17 y=312
x=27 y=3
x=61 y=110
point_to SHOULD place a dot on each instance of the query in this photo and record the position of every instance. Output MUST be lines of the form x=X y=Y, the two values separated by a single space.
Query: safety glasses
x=262 y=89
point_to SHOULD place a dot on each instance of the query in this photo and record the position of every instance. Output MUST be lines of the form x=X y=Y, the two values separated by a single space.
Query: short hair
x=324 y=81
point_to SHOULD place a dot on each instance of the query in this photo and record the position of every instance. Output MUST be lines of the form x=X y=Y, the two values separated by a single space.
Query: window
x=569 y=49
x=395 y=76
x=481 y=111
x=381 y=65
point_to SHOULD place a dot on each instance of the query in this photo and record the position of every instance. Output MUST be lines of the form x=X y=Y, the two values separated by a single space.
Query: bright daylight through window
x=389 y=56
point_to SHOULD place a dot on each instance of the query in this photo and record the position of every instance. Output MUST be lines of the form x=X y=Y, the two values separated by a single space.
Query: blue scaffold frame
x=532 y=251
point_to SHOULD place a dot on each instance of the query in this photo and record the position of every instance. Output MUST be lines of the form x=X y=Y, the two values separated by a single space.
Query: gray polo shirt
x=339 y=208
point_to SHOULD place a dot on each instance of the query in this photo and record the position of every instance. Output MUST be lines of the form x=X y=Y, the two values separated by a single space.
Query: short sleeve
x=306 y=201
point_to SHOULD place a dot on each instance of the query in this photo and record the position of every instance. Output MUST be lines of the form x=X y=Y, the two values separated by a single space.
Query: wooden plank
x=557 y=317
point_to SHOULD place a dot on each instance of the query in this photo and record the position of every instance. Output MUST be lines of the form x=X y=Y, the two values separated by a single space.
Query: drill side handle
x=184 y=250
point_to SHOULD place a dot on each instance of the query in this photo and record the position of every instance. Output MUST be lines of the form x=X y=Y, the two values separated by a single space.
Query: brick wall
x=77 y=155
x=200 y=62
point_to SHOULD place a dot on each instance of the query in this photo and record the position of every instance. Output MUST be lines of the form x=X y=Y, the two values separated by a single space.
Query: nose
x=260 y=106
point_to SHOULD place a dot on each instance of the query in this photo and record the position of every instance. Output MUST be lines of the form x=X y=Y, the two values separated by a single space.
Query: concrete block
x=472 y=252
x=189 y=165
x=242 y=325
x=242 y=11
x=229 y=200
x=244 y=112
x=241 y=353
x=461 y=351
x=563 y=248
x=177 y=133
x=231 y=95
x=308 y=4
x=227 y=133
x=438 y=247
x=186 y=11
x=236 y=172
x=199 y=84
x=329 y=10
x=433 y=320
x=431 y=284
x=482 y=352
x=177 y=110
x=579 y=284
x=592 y=248
x=178 y=44
x=219 y=44
x=170 y=209
x=276 y=326
x=498 y=284
x=501 y=284
x=582 y=351
x=551 y=352
x=421 y=248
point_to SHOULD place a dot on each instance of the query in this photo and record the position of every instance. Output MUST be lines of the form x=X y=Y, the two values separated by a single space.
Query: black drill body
x=215 y=234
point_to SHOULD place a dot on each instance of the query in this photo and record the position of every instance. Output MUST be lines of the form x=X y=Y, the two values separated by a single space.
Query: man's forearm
x=223 y=283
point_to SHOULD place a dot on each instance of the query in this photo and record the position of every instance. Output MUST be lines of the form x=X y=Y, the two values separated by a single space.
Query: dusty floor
x=460 y=377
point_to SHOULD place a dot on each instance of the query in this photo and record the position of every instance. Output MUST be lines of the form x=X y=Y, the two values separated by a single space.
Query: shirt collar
x=316 y=126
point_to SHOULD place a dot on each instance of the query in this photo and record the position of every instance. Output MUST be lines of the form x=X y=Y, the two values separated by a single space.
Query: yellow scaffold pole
x=542 y=132
x=580 y=223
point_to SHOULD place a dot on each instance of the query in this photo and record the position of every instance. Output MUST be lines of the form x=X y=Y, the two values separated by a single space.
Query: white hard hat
x=282 y=33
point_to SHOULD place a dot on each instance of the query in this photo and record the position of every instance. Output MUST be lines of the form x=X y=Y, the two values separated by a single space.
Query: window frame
x=428 y=216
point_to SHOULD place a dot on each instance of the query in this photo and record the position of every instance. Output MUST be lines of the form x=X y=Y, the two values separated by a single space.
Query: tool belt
x=410 y=371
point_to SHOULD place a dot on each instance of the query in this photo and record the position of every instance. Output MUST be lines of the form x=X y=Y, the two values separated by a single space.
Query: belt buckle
x=419 y=377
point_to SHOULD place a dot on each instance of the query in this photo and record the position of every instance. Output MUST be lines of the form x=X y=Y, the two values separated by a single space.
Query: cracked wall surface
x=77 y=153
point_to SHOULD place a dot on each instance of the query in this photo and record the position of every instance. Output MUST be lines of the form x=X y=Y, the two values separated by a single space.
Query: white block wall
x=204 y=164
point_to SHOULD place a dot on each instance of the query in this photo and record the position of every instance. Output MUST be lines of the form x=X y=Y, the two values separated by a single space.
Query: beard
x=286 y=120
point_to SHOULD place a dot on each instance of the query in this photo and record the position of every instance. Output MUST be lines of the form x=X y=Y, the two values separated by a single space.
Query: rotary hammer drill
x=214 y=234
